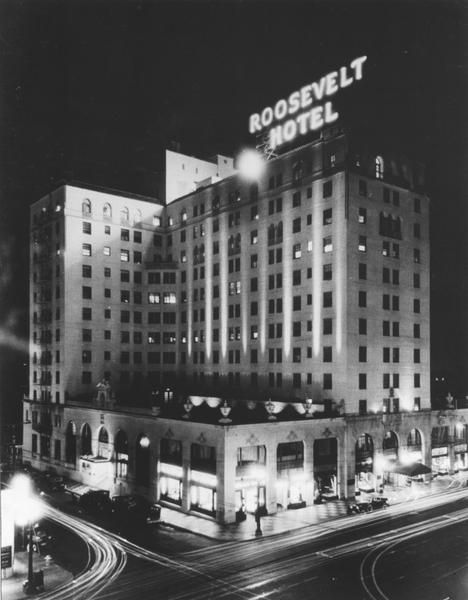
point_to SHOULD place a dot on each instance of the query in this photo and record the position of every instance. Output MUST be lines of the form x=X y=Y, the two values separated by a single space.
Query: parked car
x=96 y=502
x=135 y=508
x=363 y=506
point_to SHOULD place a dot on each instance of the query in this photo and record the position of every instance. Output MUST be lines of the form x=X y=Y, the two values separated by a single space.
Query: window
x=396 y=198
x=362 y=381
x=87 y=335
x=137 y=237
x=107 y=211
x=296 y=199
x=416 y=255
x=124 y=296
x=327 y=216
x=362 y=216
x=253 y=284
x=416 y=355
x=416 y=280
x=385 y=275
x=386 y=248
x=254 y=237
x=86 y=292
x=87 y=227
x=362 y=271
x=327 y=354
x=327 y=326
x=327 y=299
x=297 y=277
x=327 y=244
x=297 y=252
x=137 y=257
x=107 y=250
x=124 y=255
x=125 y=235
x=417 y=230
x=86 y=377
x=327 y=381
x=362 y=246
x=254 y=213
x=417 y=205
x=362 y=187
x=86 y=250
x=396 y=355
x=362 y=353
x=395 y=276
x=86 y=208
x=296 y=225
x=125 y=316
x=124 y=276
x=327 y=272
x=362 y=407
x=386 y=195
x=362 y=326
x=124 y=215
x=417 y=404
x=327 y=189
x=386 y=381
x=296 y=303
x=386 y=328
x=362 y=299
x=86 y=314
x=379 y=167
x=86 y=356
x=386 y=301
x=395 y=302
x=386 y=355
x=253 y=261
x=417 y=330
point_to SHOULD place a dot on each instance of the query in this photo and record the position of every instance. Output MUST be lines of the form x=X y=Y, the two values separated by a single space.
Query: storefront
x=250 y=478
x=170 y=483
x=365 y=478
x=440 y=460
x=461 y=457
x=325 y=467
x=291 y=480
x=203 y=492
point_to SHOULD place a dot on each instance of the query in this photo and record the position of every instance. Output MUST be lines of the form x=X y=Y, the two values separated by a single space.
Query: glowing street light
x=251 y=164
x=27 y=510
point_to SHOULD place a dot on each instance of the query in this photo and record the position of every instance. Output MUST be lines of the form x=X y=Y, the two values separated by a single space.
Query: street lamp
x=27 y=511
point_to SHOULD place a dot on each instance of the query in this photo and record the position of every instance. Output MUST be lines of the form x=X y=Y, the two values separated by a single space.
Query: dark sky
x=96 y=91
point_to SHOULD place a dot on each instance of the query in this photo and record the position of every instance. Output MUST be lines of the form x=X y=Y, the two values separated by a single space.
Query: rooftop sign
x=291 y=116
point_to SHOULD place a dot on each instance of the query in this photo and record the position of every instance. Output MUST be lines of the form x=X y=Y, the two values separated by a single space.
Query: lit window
x=362 y=217
x=86 y=208
x=379 y=167
x=156 y=221
x=124 y=255
x=309 y=245
x=254 y=237
x=107 y=251
x=327 y=244
x=107 y=211
x=362 y=246
x=86 y=250
x=297 y=252
x=154 y=298
x=169 y=298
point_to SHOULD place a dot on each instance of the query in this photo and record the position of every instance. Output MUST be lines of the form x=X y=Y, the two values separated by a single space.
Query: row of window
x=167 y=277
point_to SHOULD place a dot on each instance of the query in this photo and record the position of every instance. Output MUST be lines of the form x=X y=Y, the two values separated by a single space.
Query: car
x=369 y=505
x=41 y=540
x=135 y=508
x=96 y=502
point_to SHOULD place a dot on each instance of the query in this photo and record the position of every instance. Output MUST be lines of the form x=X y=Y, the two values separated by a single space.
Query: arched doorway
x=70 y=443
x=142 y=460
x=104 y=448
x=326 y=467
x=365 y=478
x=121 y=454
x=413 y=447
x=86 y=440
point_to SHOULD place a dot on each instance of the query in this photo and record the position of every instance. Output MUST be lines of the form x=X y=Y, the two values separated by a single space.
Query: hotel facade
x=240 y=343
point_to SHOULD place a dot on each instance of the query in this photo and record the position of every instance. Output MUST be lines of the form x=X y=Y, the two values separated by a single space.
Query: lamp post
x=27 y=509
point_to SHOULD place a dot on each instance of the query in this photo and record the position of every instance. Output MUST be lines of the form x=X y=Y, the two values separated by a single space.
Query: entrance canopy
x=411 y=470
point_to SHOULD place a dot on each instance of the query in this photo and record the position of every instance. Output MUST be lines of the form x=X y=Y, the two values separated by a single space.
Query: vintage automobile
x=363 y=506
x=135 y=508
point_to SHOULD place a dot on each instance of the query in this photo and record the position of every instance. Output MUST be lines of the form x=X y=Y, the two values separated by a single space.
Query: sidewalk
x=288 y=520
x=54 y=576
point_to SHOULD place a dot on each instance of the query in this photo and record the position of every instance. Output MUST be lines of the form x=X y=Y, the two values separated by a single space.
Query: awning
x=411 y=470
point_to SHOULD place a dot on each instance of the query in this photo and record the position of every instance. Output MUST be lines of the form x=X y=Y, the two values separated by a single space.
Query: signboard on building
x=307 y=109
x=6 y=557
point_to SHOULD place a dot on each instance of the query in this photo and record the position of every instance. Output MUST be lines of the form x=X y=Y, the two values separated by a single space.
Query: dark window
x=362 y=381
x=327 y=189
x=327 y=354
x=327 y=272
x=327 y=381
x=362 y=353
x=363 y=326
x=362 y=271
x=362 y=187
x=362 y=299
x=327 y=299
x=327 y=326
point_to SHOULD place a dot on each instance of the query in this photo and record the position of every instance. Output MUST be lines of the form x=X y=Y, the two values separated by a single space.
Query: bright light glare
x=21 y=486
x=250 y=164
x=144 y=442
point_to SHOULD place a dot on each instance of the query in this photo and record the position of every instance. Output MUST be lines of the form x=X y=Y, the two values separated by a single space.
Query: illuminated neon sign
x=312 y=119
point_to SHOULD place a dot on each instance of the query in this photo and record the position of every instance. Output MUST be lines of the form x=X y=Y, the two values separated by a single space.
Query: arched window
x=121 y=454
x=379 y=167
x=298 y=170
x=86 y=443
x=103 y=443
x=124 y=215
x=414 y=438
x=86 y=208
x=70 y=443
x=107 y=211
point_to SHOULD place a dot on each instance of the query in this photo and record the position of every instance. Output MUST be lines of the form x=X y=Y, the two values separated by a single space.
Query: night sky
x=95 y=91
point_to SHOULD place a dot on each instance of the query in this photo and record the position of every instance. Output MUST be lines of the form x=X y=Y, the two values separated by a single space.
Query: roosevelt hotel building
x=310 y=283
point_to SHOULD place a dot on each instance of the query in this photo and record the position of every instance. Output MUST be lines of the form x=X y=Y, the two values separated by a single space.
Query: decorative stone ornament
x=188 y=407
x=225 y=411
x=308 y=408
x=270 y=408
